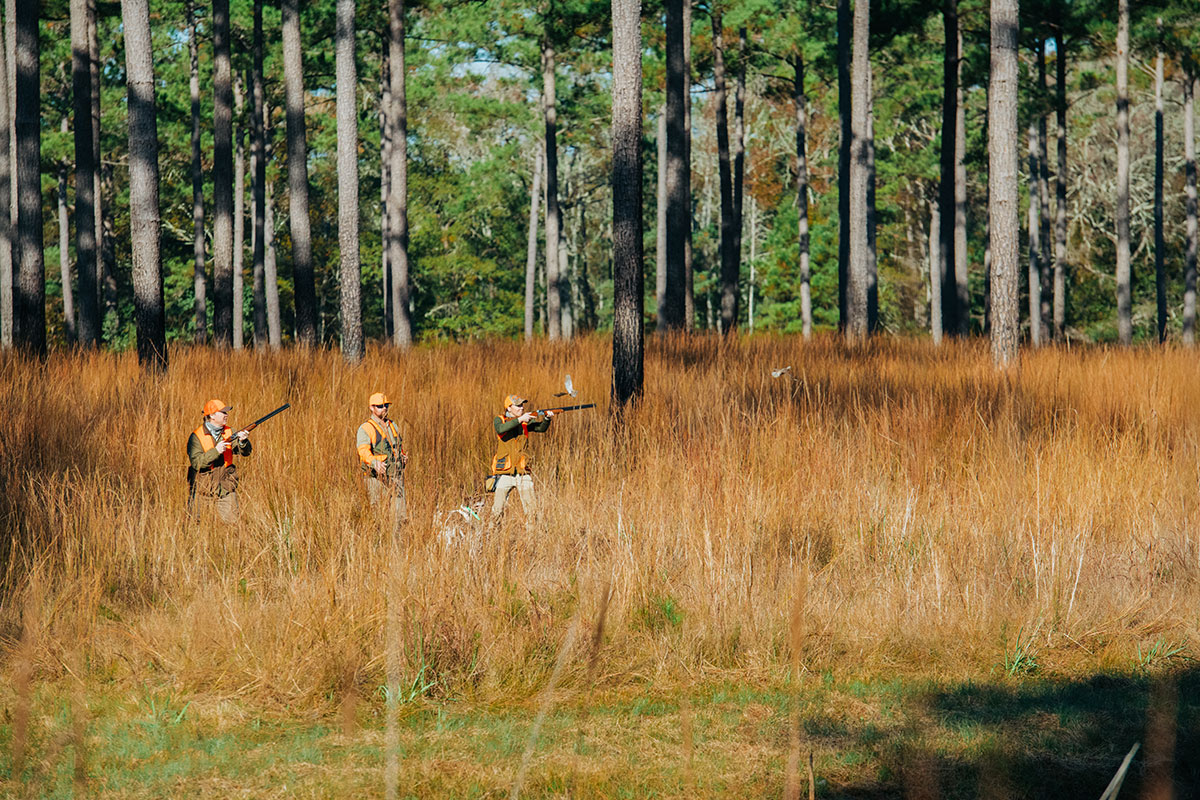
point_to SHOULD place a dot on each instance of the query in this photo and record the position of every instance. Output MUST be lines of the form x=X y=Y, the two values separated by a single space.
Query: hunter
x=382 y=458
x=212 y=476
x=510 y=465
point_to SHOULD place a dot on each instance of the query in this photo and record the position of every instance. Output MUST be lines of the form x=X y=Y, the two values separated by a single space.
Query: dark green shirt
x=504 y=427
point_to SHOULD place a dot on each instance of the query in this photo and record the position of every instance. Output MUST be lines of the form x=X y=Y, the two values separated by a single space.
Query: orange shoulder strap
x=390 y=435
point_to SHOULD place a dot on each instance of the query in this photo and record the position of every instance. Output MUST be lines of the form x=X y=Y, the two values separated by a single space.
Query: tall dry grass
x=940 y=512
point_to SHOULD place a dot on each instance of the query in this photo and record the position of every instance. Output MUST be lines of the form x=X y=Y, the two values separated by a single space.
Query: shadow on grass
x=1038 y=739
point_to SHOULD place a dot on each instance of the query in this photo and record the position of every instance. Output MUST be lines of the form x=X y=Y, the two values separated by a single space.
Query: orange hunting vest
x=214 y=479
x=510 y=458
x=209 y=443
x=384 y=442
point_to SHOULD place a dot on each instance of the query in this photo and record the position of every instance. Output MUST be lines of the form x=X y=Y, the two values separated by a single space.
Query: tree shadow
x=1052 y=739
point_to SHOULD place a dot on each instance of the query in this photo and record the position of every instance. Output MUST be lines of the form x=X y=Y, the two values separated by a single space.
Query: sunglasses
x=384 y=405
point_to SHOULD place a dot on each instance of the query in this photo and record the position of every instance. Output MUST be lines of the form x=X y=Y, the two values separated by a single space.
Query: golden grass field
x=899 y=510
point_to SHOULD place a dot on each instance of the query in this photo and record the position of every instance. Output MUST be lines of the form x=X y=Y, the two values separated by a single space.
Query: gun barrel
x=558 y=409
x=261 y=420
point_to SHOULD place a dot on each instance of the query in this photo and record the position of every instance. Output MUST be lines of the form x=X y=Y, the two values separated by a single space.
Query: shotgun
x=261 y=420
x=541 y=412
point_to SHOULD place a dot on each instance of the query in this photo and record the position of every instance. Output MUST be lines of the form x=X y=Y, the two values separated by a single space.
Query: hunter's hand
x=243 y=435
x=527 y=417
x=222 y=446
x=549 y=415
x=403 y=460
x=380 y=466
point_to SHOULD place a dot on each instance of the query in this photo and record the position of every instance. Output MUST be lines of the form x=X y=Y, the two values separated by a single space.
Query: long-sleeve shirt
x=202 y=458
x=512 y=434
x=204 y=462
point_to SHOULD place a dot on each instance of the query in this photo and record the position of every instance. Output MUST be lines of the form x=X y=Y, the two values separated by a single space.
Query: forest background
x=476 y=122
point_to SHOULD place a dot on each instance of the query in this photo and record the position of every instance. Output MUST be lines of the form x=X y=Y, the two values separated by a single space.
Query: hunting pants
x=505 y=484
x=391 y=494
x=225 y=508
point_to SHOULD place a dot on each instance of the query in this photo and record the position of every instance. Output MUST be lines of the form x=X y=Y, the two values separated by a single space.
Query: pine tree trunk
x=1002 y=182
x=799 y=101
x=270 y=272
x=566 y=274
x=1189 y=157
x=239 y=220
x=105 y=256
x=1160 y=278
x=1035 y=246
x=628 y=336
x=553 y=268
x=951 y=58
x=936 y=265
x=385 y=183
x=301 y=227
x=689 y=274
x=914 y=240
x=676 y=179
x=844 y=35
x=566 y=270
x=987 y=264
x=753 y=263
x=872 y=263
x=144 y=221
x=531 y=246
x=259 y=161
x=660 y=219
x=6 y=186
x=729 y=270
x=541 y=281
x=1060 y=185
x=222 y=177
x=198 y=256
x=85 y=178
x=856 y=295
x=10 y=67
x=257 y=278
x=64 y=251
x=108 y=246
x=1124 y=277
x=30 y=289
x=1044 y=313
x=398 y=199
x=739 y=154
x=961 y=277
x=347 y=162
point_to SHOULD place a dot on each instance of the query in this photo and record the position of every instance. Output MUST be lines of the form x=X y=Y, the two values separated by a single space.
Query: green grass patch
x=1038 y=737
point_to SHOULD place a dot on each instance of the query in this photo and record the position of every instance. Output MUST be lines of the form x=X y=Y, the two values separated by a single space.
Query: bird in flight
x=570 y=389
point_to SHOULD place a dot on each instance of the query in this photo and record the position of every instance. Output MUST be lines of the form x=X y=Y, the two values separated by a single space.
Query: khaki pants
x=388 y=493
x=225 y=508
x=505 y=484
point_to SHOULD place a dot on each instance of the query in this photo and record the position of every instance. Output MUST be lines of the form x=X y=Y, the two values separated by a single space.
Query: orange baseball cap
x=378 y=399
x=213 y=406
x=514 y=400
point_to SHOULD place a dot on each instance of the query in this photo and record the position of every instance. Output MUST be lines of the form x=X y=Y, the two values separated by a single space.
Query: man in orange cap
x=382 y=458
x=212 y=476
x=510 y=466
